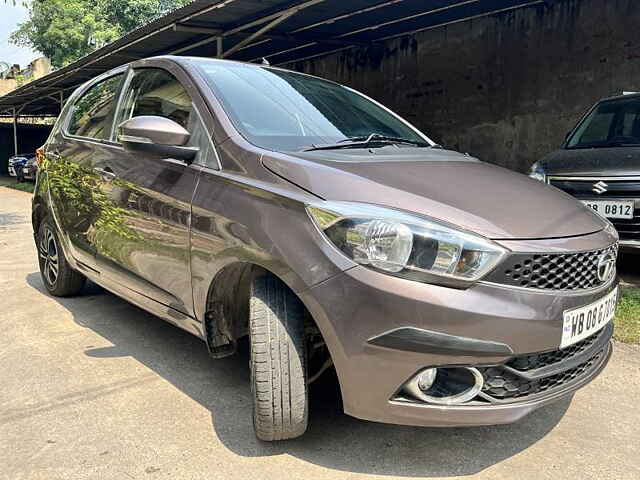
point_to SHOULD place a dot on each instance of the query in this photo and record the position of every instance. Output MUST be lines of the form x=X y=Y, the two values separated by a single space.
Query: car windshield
x=286 y=111
x=612 y=123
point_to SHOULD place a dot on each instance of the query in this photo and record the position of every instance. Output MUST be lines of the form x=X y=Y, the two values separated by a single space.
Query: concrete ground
x=92 y=387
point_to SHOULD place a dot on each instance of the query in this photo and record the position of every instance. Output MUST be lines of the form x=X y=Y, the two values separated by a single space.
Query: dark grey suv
x=243 y=201
x=599 y=163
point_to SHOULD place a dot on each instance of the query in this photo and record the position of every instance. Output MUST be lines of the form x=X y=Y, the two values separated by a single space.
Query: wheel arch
x=226 y=314
x=38 y=214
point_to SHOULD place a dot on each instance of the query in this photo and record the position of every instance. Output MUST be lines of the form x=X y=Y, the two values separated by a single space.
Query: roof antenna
x=265 y=61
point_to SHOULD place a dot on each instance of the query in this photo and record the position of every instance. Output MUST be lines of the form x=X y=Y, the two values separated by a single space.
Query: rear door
x=74 y=155
x=149 y=250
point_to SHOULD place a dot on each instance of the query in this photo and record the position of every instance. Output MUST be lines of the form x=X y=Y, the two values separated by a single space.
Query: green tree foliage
x=65 y=30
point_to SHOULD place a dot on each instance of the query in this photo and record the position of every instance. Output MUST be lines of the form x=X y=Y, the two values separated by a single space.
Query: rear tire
x=57 y=275
x=278 y=361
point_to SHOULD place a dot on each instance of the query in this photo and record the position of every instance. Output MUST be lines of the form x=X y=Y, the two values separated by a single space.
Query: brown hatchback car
x=238 y=200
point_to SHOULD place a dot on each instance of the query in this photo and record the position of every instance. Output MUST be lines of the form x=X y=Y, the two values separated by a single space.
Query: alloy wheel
x=49 y=255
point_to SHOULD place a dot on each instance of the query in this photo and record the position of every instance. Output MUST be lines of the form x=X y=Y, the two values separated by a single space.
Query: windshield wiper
x=356 y=142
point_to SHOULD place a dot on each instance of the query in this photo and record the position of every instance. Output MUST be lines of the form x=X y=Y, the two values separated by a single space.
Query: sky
x=10 y=16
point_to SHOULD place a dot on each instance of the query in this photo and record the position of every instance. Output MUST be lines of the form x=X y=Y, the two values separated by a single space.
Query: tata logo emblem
x=606 y=266
x=600 y=187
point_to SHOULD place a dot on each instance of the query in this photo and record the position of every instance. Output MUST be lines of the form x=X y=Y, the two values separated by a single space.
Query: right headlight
x=404 y=245
x=538 y=173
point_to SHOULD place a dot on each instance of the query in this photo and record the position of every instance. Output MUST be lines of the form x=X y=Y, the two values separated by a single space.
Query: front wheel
x=278 y=367
x=58 y=276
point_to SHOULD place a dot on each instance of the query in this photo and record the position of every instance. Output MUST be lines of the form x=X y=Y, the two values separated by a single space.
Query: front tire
x=278 y=361
x=57 y=275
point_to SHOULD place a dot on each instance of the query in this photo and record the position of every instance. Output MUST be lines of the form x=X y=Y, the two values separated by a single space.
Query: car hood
x=455 y=188
x=593 y=162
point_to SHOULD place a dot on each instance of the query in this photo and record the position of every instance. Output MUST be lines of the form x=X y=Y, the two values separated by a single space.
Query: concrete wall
x=505 y=88
x=36 y=69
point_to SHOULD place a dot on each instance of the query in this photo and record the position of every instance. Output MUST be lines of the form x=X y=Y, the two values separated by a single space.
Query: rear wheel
x=58 y=276
x=278 y=369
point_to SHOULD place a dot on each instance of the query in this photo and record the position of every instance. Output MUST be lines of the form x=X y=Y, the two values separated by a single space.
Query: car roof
x=620 y=97
x=182 y=58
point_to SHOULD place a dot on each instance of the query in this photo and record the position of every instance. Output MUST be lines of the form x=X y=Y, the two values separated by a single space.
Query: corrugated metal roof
x=299 y=30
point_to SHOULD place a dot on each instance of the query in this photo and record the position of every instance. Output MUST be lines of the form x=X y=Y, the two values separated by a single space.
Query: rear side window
x=92 y=112
x=157 y=92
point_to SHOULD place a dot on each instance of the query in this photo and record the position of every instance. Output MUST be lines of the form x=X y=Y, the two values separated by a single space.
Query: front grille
x=552 y=271
x=526 y=363
x=628 y=229
x=585 y=188
x=501 y=384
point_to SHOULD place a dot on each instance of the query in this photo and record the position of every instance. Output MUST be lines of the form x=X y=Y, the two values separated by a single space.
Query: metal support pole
x=219 y=51
x=61 y=100
x=15 y=132
x=273 y=23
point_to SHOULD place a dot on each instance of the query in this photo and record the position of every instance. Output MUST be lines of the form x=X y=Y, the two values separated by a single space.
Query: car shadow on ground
x=334 y=440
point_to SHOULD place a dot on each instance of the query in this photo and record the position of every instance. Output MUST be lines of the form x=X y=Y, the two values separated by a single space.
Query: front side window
x=156 y=92
x=613 y=123
x=92 y=113
x=284 y=111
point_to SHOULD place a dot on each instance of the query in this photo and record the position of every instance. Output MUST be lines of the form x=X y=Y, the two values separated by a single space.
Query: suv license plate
x=611 y=208
x=582 y=322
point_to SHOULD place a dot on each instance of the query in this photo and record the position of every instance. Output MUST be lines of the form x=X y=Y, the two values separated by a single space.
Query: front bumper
x=483 y=326
x=29 y=174
x=630 y=245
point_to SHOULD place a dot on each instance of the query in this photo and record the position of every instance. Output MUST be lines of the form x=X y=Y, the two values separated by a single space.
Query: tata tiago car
x=237 y=200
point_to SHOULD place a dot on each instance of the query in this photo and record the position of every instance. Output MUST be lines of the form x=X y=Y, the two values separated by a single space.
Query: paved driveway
x=92 y=387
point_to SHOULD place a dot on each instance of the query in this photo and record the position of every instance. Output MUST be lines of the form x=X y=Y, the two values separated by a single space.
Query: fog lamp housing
x=445 y=386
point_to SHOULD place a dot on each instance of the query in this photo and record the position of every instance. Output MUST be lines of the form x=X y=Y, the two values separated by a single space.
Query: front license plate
x=25 y=170
x=611 y=208
x=582 y=322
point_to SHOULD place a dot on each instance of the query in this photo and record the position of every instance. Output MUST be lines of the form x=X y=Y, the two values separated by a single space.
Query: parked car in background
x=17 y=163
x=237 y=200
x=599 y=164
x=30 y=170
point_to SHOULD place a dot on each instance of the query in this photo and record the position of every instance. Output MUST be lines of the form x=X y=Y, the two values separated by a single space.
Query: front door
x=148 y=249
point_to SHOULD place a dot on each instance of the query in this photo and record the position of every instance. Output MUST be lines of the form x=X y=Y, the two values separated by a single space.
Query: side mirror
x=157 y=137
